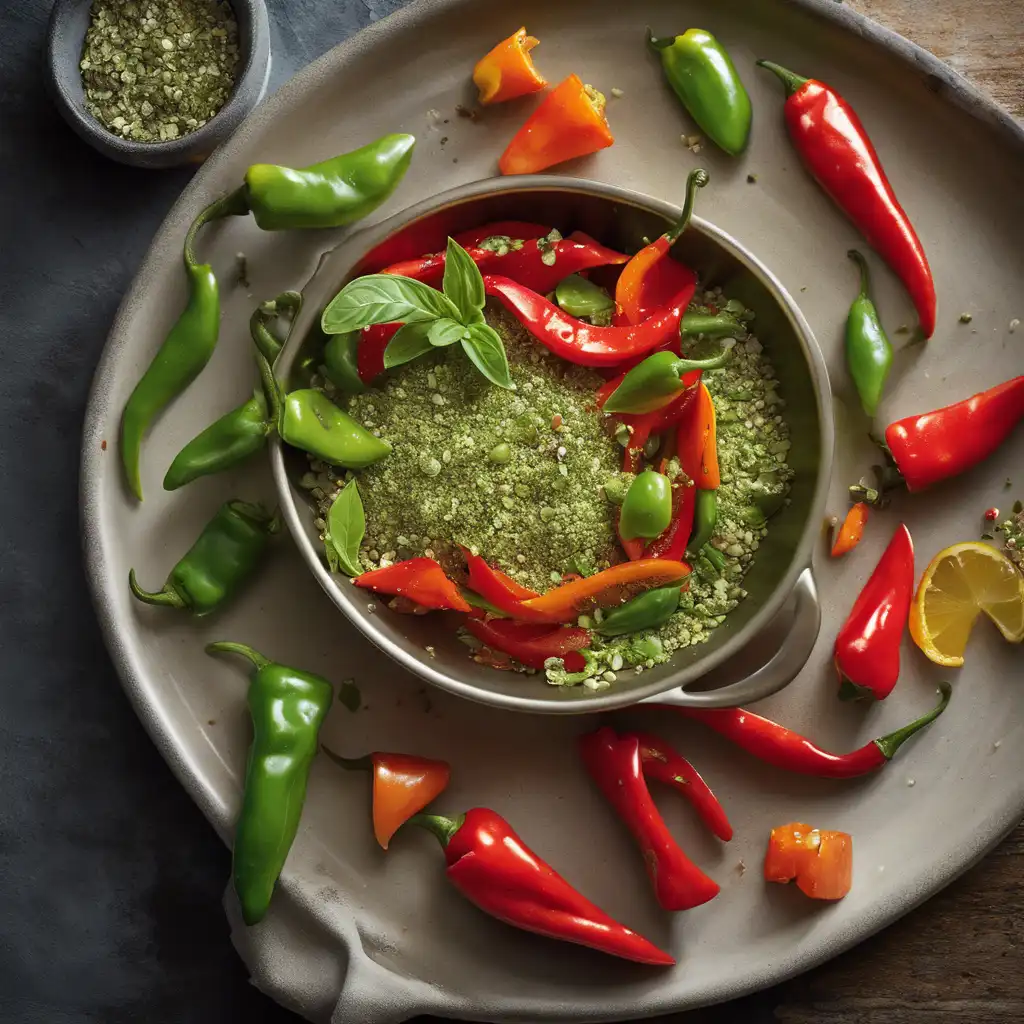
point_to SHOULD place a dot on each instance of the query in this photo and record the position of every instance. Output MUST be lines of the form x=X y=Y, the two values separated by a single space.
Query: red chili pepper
x=370 y=352
x=532 y=644
x=660 y=761
x=941 y=444
x=502 y=229
x=419 y=579
x=852 y=530
x=991 y=515
x=402 y=786
x=614 y=764
x=776 y=745
x=867 y=649
x=836 y=149
x=580 y=342
x=495 y=587
x=494 y=869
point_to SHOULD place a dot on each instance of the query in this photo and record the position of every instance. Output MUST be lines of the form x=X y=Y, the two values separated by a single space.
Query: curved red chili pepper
x=836 y=149
x=421 y=580
x=580 y=342
x=532 y=644
x=867 y=649
x=613 y=762
x=941 y=444
x=776 y=745
x=494 y=869
x=852 y=530
x=370 y=351
x=662 y=762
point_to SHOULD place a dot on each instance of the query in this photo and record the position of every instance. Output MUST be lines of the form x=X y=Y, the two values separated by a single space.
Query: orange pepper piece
x=821 y=862
x=787 y=848
x=709 y=478
x=569 y=123
x=402 y=786
x=507 y=72
x=852 y=530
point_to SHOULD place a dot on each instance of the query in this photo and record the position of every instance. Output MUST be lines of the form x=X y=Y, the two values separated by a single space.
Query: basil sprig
x=346 y=527
x=430 y=318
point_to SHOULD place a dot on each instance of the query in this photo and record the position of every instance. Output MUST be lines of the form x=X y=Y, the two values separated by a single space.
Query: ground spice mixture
x=154 y=71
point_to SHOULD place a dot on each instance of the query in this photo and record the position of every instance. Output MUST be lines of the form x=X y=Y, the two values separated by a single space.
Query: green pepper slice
x=646 y=611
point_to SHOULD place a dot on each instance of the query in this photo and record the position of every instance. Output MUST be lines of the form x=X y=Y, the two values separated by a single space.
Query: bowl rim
x=361 y=243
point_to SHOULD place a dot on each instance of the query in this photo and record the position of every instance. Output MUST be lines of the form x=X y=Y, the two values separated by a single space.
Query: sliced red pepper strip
x=494 y=869
x=568 y=124
x=370 y=352
x=709 y=478
x=500 y=590
x=419 y=579
x=580 y=342
x=613 y=762
x=507 y=72
x=505 y=229
x=867 y=649
x=663 y=762
x=523 y=642
x=850 y=533
x=607 y=588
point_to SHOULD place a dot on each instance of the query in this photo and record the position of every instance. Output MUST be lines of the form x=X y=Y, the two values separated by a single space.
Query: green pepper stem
x=889 y=744
x=234 y=204
x=229 y=647
x=656 y=43
x=168 y=597
x=698 y=178
x=265 y=343
x=792 y=81
x=865 y=274
x=682 y=366
x=442 y=827
x=350 y=764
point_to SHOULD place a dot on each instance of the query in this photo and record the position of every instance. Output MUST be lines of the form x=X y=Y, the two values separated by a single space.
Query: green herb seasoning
x=154 y=71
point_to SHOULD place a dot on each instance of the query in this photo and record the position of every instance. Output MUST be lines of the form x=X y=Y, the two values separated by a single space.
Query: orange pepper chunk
x=402 y=786
x=569 y=123
x=786 y=851
x=852 y=530
x=507 y=72
x=821 y=862
x=709 y=477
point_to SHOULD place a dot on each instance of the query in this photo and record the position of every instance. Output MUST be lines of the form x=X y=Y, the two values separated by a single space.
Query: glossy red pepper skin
x=494 y=869
x=662 y=762
x=613 y=762
x=501 y=229
x=421 y=580
x=867 y=648
x=532 y=644
x=370 y=351
x=781 y=747
x=579 y=342
x=941 y=444
x=837 y=151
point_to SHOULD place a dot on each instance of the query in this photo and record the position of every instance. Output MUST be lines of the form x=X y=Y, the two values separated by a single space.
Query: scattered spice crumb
x=966 y=318
x=741 y=867
x=455 y=159
x=1014 y=324
x=103 y=447
x=987 y=536
x=911 y=782
x=751 y=179
x=466 y=112
x=444 y=140
x=903 y=329
x=242 y=269
x=803 y=287
x=213 y=721
x=616 y=93
x=431 y=652
x=997 y=744
x=1007 y=483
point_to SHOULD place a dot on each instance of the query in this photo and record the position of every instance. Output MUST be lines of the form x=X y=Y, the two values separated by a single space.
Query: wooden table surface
x=959 y=959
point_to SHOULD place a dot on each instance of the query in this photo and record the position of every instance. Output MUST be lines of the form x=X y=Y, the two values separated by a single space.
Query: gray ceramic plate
x=386 y=932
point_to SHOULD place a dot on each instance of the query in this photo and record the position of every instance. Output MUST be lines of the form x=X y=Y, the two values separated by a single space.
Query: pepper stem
x=229 y=647
x=682 y=366
x=697 y=178
x=234 y=204
x=168 y=597
x=865 y=274
x=350 y=764
x=267 y=347
x=442 y=827
x=658 y=43
x=889 y=744
x=789 y=79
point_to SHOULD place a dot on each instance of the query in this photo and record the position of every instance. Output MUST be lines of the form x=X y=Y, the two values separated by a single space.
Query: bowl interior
x=623 y=224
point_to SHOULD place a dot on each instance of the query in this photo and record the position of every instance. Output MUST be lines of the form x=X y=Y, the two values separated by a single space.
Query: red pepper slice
x=580 y=342
x=569 y=123
x=419 y=579
x=662 y=762
x=613 y=762
x=503 y=229
x=820 y=861
x=709 y=477
x=494 y=869
x=850 y=533
x=370 y=352
x=498 y=589
x=867 y=649
x=507 y=72
x=533 y=644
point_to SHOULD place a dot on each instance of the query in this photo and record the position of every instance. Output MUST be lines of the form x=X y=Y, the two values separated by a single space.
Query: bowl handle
x=779 y=671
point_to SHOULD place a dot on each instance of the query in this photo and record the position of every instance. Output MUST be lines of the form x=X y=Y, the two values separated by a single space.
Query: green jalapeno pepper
x=712 y=325
x=656 y=381
x=647 y=611
x=580 y=297
x=647 y=507
x=311 y=421
x=868 y=352
x=223 y=557
x=705 y=518
x=704 y=78
x=341 y=361
x=287 y=708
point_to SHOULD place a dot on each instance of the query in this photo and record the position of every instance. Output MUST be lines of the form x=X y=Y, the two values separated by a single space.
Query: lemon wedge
x=960 y=583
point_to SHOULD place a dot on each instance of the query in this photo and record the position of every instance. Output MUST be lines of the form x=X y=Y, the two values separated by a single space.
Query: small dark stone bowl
x=68 y=22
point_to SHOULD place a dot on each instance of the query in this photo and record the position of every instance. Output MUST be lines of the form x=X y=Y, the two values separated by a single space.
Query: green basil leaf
x=333 y=562
x=384 y=299
x=347 y=526
x=445 y=332
x=463 y=282
x=409 y=342
x=487 y=353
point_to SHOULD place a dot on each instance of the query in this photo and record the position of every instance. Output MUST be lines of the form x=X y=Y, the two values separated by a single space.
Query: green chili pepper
x=647 y=508
x=580 y=297
x=656 y=381
x=311 y=421
x=223 y=557
x=715 y=558
x=341 y=361
x=704 y=78
x=647 y=611
x=705 y=518
x=717 y=325
x=287 y=708
x=868 y=352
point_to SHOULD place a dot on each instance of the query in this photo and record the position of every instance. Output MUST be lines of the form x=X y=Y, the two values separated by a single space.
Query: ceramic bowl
x=619 y=218
x=69 y=20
